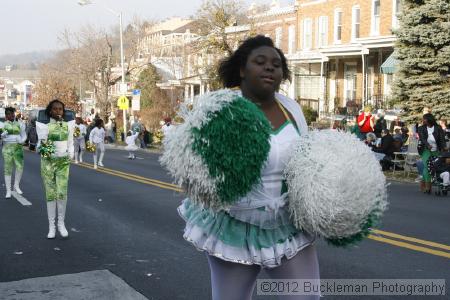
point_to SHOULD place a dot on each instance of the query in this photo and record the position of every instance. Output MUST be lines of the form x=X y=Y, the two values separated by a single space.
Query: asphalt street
x=123 y=223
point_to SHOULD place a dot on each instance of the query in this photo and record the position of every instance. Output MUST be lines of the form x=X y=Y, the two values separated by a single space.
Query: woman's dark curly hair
x=10 y=110
x=98 y=122
x=230 y=67
x=430 y=119
x=50 y=105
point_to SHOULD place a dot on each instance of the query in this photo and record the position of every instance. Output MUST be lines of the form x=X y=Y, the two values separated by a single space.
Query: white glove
x=4 y=134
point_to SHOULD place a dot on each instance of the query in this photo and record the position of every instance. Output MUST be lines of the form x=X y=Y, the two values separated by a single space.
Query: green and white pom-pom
x=47 y=148
x=336 y=187
x=218 y=153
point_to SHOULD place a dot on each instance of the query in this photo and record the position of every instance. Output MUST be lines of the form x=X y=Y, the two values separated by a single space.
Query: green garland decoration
x=234 y=144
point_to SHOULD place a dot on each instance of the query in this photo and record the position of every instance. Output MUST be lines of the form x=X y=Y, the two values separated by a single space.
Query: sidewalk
x=92 y=285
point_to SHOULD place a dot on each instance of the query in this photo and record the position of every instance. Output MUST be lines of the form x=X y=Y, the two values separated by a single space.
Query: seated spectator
x=442 y=167
x=387 y=147
x=398 y=136
x=371 y=140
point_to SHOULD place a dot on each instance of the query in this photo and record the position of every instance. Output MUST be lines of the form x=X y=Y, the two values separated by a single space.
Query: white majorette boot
x=81 y=156
x=95 y=161
x=8 y=186
x=61 y=206
x=17 y=178
x=51 y=212
x=100 y=160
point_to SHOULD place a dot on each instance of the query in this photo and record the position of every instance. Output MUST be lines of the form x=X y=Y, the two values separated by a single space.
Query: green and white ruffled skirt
x=228 y=238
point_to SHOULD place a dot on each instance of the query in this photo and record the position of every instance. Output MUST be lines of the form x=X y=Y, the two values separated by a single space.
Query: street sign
x=123 y=102
x=123 y=88
x=136 y=101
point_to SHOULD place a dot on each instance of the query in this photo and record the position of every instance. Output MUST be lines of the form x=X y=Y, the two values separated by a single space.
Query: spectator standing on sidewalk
x=431 y=143
x=366 y=121
x=380 y=123
x=110 y=138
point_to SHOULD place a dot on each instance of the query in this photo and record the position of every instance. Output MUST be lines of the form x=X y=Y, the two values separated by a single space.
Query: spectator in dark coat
x=431 y=143
x=387 y=145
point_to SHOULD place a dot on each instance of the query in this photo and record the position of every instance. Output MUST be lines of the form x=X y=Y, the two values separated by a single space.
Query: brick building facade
x=341 y=46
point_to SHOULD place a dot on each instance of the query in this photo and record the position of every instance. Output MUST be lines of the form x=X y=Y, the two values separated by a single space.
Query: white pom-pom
x=335 y=184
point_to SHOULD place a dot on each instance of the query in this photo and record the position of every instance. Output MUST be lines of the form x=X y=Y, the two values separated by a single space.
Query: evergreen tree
x=147 y=84
x=423 y=50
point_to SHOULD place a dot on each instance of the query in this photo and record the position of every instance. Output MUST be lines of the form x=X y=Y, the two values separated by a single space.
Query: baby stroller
x=437 y=165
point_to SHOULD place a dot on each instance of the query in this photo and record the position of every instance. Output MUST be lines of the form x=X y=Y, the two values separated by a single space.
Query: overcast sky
x=29 y=25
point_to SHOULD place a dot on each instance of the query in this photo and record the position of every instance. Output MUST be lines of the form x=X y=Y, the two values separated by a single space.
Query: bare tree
x=93 y=53
x=53 y=84
x=215 y=18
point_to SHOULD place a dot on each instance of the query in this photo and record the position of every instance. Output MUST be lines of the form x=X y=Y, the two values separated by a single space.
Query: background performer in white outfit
x=79 y=142
x=97 y=137
x=131 y=144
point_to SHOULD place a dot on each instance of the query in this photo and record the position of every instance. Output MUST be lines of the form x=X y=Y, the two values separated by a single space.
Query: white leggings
x=234 y=281
x=99 y=148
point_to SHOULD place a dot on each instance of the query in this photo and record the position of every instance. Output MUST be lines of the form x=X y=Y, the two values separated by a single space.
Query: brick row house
x=342 y=45
x=335 y=50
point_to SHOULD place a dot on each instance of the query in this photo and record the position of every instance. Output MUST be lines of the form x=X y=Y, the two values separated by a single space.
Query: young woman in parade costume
x=56 y=148
x=255 y=231
x=79 y=142
x=131 y=144
x=13 y=135
x=97 y=137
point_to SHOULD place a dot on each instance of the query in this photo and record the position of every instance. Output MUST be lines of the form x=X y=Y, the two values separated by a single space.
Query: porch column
x=363 y=91
x=186 y=91
x=291 y=90
x=192 y=93
x=321 y=94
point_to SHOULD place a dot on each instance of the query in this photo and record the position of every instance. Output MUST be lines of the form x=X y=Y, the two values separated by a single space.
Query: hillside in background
x=29 y=60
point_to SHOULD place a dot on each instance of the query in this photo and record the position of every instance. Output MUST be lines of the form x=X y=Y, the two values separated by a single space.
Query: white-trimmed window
x=356 y=22
x=307 y=34
x=376 y=16
x=278 y=36
x=291 y=39
x=322 y=32
x=338 y=26
x=396 y=11
x=307 y=80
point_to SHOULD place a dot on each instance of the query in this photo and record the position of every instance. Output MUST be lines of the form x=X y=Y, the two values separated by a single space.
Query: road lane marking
x=131 y=175
x=137 y=178
x=411 y=239
x=21 y=199
x=378 y=238
x=409 y=246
